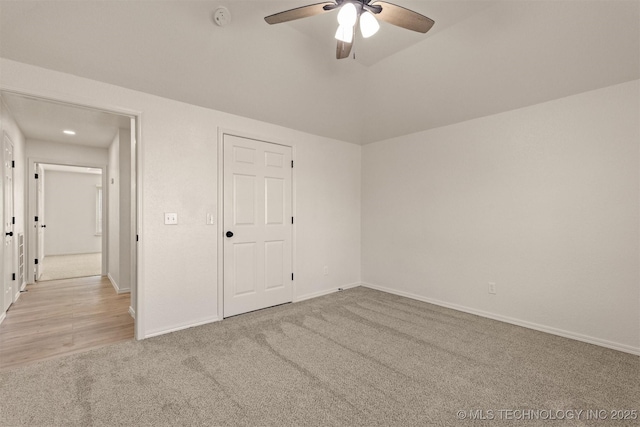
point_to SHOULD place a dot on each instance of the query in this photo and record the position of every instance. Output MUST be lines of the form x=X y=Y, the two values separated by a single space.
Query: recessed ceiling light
x=69 y=132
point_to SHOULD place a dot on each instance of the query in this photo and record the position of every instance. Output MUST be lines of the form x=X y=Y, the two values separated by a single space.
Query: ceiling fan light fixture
x=368 y=12
x=368 y=25
x=345 y=34
x=348 y=15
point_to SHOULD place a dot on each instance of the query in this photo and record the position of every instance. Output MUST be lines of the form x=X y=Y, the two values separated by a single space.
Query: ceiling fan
x=352 y=11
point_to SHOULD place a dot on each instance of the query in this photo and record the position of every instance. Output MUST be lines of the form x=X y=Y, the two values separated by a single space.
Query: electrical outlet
x=170 y=218
x=492 y=288
x=326 y=270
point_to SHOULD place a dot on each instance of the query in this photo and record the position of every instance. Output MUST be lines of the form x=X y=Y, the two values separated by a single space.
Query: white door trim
x=220 y=211
x=32 y=194
x=137 y=253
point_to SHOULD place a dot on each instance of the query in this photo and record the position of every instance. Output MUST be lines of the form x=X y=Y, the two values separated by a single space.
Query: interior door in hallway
x=9 y=219
x=257 y=225
x=40 y=225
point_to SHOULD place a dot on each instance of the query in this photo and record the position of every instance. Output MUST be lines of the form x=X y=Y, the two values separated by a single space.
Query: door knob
x=9 y=233
x=229 y=234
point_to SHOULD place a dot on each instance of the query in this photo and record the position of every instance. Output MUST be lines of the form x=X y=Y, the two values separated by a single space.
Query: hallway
x=62 y=317
x=56 y=267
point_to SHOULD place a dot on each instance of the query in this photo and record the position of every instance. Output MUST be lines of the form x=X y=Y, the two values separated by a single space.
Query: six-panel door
x=257 y=217
x=9 y=268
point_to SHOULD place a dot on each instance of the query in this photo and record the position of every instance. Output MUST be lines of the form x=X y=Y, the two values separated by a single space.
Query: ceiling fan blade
x=344 y=49
x=299 y=13
x=401 y=17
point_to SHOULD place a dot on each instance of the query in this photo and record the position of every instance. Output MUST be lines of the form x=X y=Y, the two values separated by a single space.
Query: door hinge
x=291 y=220
x=136 y=237
x=13 y=276
x=13 y=163
x=291 y=163
x=36 y=261
x=291 y=276
x=36 y=176
x=36 y=219
x=13 y=220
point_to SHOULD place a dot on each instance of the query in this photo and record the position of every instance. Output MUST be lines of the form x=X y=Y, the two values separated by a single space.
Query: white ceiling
x=46 y=121
x=480 y=58
x=389 y=39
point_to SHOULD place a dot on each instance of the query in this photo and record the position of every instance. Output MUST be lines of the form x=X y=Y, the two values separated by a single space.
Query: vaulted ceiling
x=481 y=58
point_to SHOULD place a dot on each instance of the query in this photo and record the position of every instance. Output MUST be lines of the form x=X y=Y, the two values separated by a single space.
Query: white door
x=257 y=225
x=9 y=216
x=40 y=224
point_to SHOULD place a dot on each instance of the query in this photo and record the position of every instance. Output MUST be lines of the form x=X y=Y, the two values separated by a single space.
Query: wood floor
x=61 y=317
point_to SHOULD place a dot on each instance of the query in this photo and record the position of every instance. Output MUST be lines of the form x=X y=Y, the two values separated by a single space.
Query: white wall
x=543 y=201
x=120 y=227
x=125 y=226
x=67 y=154
x=70 y=203
x=9 y=126
x=113 y=211
x=178 y=153
x=327 y=216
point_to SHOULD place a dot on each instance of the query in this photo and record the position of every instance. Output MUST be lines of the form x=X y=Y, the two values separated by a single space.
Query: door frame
x=220 y=213
x=32 y=210
x=38 y=208
x=137 y=250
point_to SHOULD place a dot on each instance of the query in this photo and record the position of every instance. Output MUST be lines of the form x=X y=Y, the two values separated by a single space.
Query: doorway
x=103 y=144
x=257 y=223
x=69 y=213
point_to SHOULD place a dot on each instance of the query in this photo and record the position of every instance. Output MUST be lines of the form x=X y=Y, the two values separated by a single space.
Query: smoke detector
x=222 y=16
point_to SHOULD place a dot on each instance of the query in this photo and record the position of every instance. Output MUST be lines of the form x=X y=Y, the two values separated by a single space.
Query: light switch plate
x=170 y=218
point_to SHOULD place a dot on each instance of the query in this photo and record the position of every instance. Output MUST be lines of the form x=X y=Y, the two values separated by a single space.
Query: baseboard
x=3 y=316
x=113 y=282
x=132 y=312
x=19 y=292
x=525 y=324
x=325 y=292
x=217 y=319
x=116 y=287
x=180 y=328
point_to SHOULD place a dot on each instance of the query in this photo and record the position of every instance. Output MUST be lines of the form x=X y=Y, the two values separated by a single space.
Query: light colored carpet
x=69 y=266
x=357 y=357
